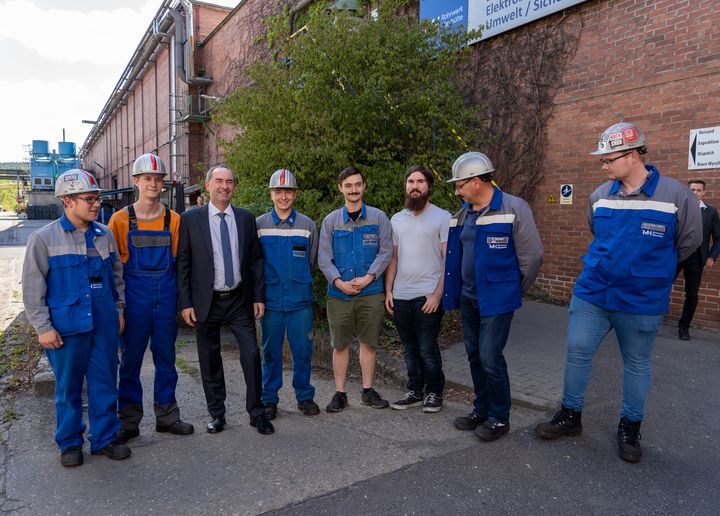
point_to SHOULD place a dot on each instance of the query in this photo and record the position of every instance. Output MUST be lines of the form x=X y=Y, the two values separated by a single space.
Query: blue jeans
x=587 y=326
x=485 y=339
x=419 y=334
x=298 y=324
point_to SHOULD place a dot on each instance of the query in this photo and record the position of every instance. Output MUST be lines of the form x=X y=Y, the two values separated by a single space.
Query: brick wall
x=653 y=63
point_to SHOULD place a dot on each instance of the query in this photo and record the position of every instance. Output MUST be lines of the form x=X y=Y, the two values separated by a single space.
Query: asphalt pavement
x=367 y=461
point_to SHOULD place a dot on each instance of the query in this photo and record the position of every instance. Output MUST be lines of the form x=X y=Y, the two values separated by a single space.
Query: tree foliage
x=378 y=93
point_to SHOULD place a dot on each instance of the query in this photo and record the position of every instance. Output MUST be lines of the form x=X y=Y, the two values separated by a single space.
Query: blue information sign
x=452 y=12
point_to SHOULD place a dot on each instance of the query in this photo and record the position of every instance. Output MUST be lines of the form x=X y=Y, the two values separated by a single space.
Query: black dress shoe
x=177 y=428
x=216 y=425
x=684 y=333
x=125 y=434
x=262 y=424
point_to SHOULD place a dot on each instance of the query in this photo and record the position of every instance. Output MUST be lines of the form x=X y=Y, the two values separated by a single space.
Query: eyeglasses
x=459 y=185
x=606 y=161
x=90 y=200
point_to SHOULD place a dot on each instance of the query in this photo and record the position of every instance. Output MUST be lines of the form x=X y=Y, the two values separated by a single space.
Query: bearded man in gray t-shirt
x=414 y=286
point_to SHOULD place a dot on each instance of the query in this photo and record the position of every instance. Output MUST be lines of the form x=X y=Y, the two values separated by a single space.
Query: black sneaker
x=308 y=407
x=470 y=422
x=115 y=450
x=71 y=456
x=628 y=436
x=565 y=422
x=270 y=411
x=409 y=400
x=373 y=399
x=125 y=434
x=432 y=403
x=491 y=430
x=338 y=402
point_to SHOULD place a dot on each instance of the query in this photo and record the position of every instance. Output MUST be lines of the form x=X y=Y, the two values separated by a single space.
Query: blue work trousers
x=297 y=324
x=418 y=333
x=485 y=339
x=149 y=317
x=587 y=326
x=93 y=355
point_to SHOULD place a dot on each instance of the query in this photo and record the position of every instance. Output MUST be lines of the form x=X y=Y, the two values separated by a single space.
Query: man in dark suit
x=220 y=279
x=702 y=259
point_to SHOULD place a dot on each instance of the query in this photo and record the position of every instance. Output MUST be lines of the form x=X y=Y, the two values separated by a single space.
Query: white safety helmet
x=75 y=181
x=620 y=137
x=148 y=164
x=471 y=164
x=283 y=178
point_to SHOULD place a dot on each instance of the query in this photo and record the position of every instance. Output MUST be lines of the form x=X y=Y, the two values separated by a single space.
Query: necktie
x=227 y=252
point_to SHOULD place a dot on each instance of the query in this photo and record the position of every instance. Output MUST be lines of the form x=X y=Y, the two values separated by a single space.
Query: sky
x=59 y=62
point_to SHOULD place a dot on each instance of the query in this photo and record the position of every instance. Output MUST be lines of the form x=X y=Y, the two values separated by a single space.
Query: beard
x=416 y=203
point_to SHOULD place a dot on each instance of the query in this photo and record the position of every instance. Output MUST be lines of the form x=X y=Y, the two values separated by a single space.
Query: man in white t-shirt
x=414 y=286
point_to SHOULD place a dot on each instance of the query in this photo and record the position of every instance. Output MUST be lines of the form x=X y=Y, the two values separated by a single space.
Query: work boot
x=565 y=422
x=125 y=434
x=115 y=450
x=271 y=411
x=469 y=422
x=629 y=440
x=177 y=428
x=71 y=456
x=308 y=407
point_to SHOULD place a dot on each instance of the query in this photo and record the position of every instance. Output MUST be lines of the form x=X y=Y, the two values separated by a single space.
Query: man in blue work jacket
x=74 y=297
x=289 y=240
x=355 y=249
x=493 y=256
x=642 y=224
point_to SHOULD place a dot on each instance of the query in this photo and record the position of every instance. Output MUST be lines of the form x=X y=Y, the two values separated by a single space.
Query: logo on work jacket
x=369 y=240
x=653 y=230
x=497 y=242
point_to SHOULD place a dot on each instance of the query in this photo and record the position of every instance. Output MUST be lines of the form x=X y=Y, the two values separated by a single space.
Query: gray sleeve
x=384 y=255
x=689 y=224
x=118 y=274
x=528 y=246
x=325 y=252
x=34 y=286
x=313 y=244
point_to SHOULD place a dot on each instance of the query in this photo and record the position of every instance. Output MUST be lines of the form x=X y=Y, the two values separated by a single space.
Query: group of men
x=84 y=284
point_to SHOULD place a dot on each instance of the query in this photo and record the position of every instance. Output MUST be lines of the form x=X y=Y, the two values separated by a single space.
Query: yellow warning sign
x=551 y=198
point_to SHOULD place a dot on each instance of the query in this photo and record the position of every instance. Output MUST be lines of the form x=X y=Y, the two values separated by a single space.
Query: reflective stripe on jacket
x=290 y=248
x=508 y=255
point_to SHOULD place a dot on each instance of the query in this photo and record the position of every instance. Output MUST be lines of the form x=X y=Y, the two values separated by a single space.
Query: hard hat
x=471 y=164
x=75 y=181
x=283 y=178
x=620 y=137
x=148 y=164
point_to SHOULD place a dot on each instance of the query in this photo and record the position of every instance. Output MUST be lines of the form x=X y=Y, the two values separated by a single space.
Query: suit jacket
x=711 y=228
x=195 y=269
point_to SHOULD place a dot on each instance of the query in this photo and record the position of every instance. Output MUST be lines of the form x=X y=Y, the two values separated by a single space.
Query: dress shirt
x=218 y=263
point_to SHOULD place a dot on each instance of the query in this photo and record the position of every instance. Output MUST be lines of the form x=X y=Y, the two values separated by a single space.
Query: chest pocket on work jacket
x=369 y=244
x=655 y=248
x=300 y=259
x=498 y=251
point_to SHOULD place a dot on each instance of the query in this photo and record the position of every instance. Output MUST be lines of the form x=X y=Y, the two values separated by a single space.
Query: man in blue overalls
x=73 y=293
x=289 y=240
x=147 y=236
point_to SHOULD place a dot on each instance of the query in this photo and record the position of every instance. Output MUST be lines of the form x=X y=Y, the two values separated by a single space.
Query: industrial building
x=653 y=63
